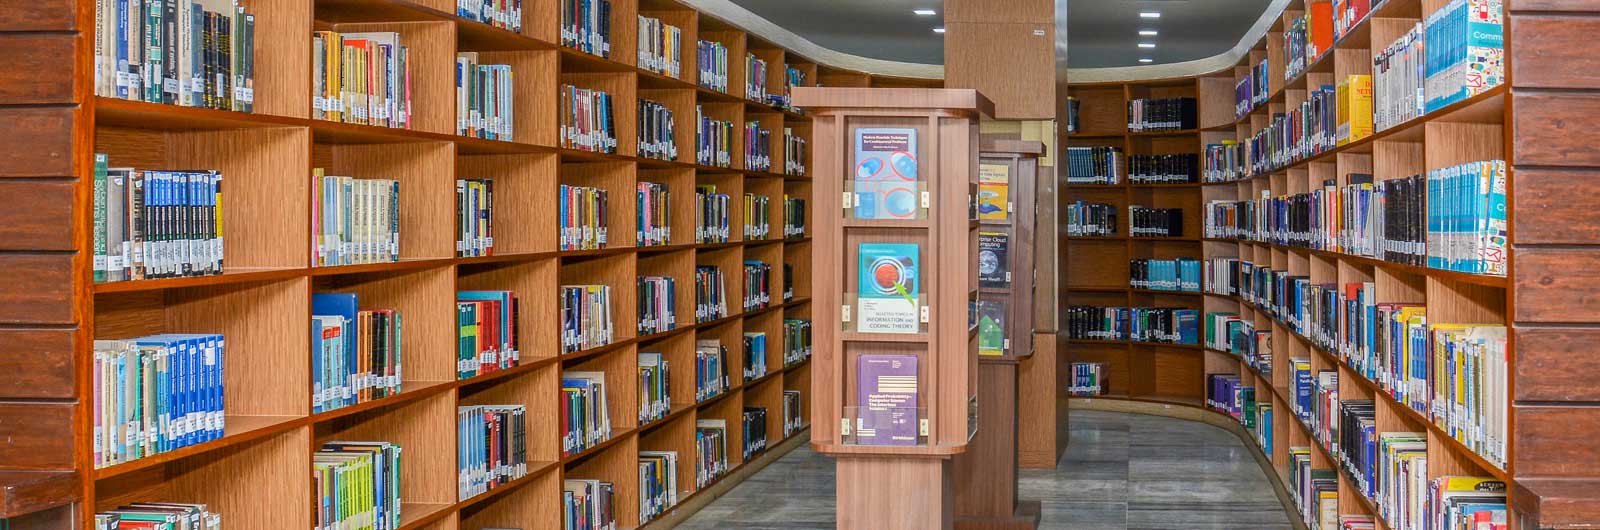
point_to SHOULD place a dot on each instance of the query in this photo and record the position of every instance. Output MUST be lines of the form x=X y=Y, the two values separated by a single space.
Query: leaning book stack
x=183 y=52
x=156 y=394
x=585 y=414
x=588 y=505
x=658 y=483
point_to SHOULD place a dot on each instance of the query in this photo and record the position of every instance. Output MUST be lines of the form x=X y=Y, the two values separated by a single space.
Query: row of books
x=658 y=297
x=1315 y=491
x=356 y=220
x=1091 y=219
x=1138 y=324
x=361 y=78
x=485 y=102
x=588 y=504
x=657 y=137
x=588 y=119
x=653 y=202
x=357 y=485
x=585 y=317
x=158 y=516
x=1179 y=274
x=1164 y=169
x=585 y=412
x=710 y=369
x=711 y=294
x=155 y=224
x=711 y=217
x=1155 y=222
x=1453 y=218
x=1087 y=379
x=757 y=216
x=754 y=423
x=1163 y=114
x=713 y=140
x=658 y=483
x=156 y=394
x=713 y=62
x=356 y=354
x=794 y=218
x=757 y=147
x=503 y=14
x=1227 y=393
x=794 y=153
x=586 y=26
x=490 y=334
x=655 y=389
x=794 y=418
x=1307 y=38
x=1237 y=335
x=796 y=341
x=474 y=217
x=792 y=77
x=492 y=449
x=660 y=47
x=1251 y=91
x=1454 y=374
x=189 y=53
x=755 y=78
x=711 y=451
x=1094 y=165
x=755 y=355
x=583 y=213
x=757 y=285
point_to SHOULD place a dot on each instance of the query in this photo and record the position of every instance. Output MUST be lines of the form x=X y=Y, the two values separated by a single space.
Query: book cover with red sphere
x=888 y=288
x=886 y=174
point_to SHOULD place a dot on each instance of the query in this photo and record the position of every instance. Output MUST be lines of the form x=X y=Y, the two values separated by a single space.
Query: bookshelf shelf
x=1474 y=129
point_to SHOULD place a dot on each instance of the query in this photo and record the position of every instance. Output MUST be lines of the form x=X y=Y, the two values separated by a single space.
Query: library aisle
x=1120 y=471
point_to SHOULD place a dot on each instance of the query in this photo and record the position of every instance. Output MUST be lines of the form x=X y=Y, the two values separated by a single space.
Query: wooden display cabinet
x=936 y=215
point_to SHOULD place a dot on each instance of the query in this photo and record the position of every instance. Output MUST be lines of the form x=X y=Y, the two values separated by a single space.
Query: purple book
x=886 y=399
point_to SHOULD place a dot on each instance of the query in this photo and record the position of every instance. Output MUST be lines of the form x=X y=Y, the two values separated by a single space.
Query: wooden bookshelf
x=259 y=474
x=1479 y=128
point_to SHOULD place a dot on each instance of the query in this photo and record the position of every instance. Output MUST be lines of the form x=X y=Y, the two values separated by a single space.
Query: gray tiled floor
x=1121 y=472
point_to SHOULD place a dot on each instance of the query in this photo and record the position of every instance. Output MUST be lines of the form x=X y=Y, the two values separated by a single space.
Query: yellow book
x=1355 y=108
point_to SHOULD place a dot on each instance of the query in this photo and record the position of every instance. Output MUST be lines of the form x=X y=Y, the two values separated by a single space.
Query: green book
x=100 y=201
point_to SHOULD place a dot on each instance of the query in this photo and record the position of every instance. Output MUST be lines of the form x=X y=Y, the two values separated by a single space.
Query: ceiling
x=1101 y=33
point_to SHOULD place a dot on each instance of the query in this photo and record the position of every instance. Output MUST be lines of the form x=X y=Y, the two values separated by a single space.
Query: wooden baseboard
x=686 y=509
x=1208 y=417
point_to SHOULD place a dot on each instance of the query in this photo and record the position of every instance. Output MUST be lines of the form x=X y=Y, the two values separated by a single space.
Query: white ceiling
x=1101 y=33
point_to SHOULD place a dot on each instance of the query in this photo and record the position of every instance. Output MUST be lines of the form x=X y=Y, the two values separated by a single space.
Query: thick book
x=886 y=399
x=888 y=275
x=994 y=192
x=885 y=183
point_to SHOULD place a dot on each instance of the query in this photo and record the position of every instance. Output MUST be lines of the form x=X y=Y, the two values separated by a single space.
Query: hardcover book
x=993 y=249
x=888 y=275
x=886 y=173
x=991 y=327
x=994 y=192
x=886 y=398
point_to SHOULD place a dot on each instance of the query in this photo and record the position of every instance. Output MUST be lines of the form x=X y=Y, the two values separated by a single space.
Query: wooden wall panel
x=36 y=436
x=1023 y=85
x=1000 y=11
x=1557 y=206
x=1556 y=129
x=37 y=226
x=1556 y=441
x=1557 y=285
x=38 y=363
x=38 y=142
x=1543 y=55
x=36 y=288
x=37 y=15
x=30 y=72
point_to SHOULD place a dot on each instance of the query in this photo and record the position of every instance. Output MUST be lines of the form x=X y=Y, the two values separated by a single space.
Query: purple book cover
x=886 y=400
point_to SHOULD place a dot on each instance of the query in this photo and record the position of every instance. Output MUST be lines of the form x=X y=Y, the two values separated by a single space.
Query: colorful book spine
x=796 y=341
x=361 y=78
x=488 y=331
x=757 y=147
x=660 y=47
x=354 y=220
x=583 y=214
x=794 y=418
x=151 y=224
x=657 y=137
x=711 y=294
x=755 y=78
x=585 y=317
x=588 y=505
x=713 y=140
x=503 y=14
x=794 y=153
x=658 y=483
x=754 y=436
x=587 y=119
x=757 y=216
x=711 y=216
x=794 y=217
x=183 y=52
x=474 y=218
x=711 y=369
x=653 y=203
x=711 y=451
x=713 y=63
x=156 y=394
x=585 y=411
x=491 y=449
x=485 y=102
x=1087 y=379
x=356 y=485
x=655 y=396
x=657 y=299
x=586 y=26
x=1465 y=50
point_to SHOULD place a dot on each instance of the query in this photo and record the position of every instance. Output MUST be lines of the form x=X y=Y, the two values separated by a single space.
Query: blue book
x=886 y=173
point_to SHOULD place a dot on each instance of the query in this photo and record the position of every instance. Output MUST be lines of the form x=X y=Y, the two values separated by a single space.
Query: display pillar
x=895 y=285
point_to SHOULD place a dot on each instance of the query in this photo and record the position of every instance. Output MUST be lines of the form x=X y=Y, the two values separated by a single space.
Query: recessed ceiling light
x=1147 y=60
x=939 y=29
x=1148 y=32
x=1147 y=45
x=1149 y=14
x=925 y=12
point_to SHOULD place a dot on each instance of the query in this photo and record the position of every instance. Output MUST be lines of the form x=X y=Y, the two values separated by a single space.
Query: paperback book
x=886 y=179
x=888 y=277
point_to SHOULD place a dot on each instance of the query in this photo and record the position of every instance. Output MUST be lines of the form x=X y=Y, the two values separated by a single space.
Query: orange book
x=1319 y=28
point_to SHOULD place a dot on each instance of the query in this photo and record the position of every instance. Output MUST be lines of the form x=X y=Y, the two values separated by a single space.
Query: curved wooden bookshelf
x=1478 y=128
x=259 y=474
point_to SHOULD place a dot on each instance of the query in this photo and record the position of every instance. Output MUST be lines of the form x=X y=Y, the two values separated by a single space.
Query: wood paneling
x=1556 y=206
x=1023 y=85
x=37 y=15
x=33 y=222
x=1543 y=55
x=1554 y=129
x=36 y=436
x=27 y=492
x=30 y=72
x=36 y=288
x=38 y=363
x=1000 y=11
x=1557 y=285
x=38 y=142
x=881 y=492
x=1556 y=441
x=1556 y=364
